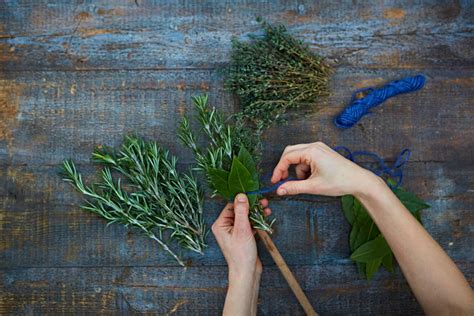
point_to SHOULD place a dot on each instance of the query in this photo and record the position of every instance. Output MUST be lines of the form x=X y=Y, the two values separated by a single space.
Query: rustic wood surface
x=81 y=73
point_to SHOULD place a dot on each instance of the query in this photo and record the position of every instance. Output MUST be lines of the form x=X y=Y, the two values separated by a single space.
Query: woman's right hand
x=325 y=171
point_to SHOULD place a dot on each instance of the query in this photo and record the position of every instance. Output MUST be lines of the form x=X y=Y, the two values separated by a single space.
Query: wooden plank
x=333 y=289
x=152 y=57
x=160 y=34
x=42 y=225
x=50 y=116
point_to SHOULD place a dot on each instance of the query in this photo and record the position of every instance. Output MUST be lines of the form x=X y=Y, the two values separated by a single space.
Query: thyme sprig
x=225 y=142
x=274 y=73
x=150 y=194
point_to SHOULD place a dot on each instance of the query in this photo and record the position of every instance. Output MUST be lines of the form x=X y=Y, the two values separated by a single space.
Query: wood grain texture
x=81 y=73
x=66 y=114
x=169 y=34
x=161 y=290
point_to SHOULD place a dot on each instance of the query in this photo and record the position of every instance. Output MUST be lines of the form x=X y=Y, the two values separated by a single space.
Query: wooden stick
x=289 y=277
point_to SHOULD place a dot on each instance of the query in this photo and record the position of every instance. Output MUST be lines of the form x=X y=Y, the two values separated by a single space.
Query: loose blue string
x=395 y=171
x=272 y=188
x=374 y=97
x=383 y=170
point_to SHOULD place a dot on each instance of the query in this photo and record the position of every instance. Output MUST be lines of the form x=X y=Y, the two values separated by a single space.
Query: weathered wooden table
x=74 y=75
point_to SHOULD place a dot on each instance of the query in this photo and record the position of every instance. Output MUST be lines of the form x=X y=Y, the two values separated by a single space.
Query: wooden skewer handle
x=290 y=278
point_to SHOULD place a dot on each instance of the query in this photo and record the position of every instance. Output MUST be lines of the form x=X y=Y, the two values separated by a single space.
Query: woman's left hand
x=235 y=237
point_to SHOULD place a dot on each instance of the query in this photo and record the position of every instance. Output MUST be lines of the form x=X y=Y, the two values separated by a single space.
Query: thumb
x=241 y=212
x=294 y=187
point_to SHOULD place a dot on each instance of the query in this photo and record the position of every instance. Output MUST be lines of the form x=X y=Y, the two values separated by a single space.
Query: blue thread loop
x=374 y=97
x=395 y=171
x=272 y=188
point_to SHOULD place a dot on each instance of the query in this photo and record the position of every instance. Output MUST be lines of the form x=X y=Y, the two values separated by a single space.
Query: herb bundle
x=230 y=168
x=274 y=73
x=150 y=194
x=368 y=246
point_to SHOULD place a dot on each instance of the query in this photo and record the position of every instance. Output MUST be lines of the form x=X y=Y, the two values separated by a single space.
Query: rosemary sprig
x=225 y=143
x=157 y=199
x=274 y=73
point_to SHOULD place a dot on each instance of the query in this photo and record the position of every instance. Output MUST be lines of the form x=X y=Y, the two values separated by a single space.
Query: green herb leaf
x=377 y=248
x=411 y=201
x=387 y=262
x=219 y=180
x=166 y=205
x=246 y=159
x=240 y=179
x=366 y=232
x=369 y=248
x=226 y=141
x=363 y=228
x=361 y=214
x=348 y=208
x=372 y=266
x=274 y=73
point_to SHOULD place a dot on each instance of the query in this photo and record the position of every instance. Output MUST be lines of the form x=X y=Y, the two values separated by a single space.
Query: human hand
x=236 y=239
x=325 y=171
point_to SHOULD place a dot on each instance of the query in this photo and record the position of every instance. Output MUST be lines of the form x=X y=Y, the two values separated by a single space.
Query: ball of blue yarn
x=360 y=107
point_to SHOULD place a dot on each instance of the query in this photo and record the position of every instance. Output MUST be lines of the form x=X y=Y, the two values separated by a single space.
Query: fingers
x=267 y=211
x=294 y=187
x=226 y=217
x=302 y=171
x=286 y=160
x=241 y=213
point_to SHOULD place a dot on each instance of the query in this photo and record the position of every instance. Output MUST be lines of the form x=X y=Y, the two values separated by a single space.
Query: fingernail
x=241 y=198
x=282 y=191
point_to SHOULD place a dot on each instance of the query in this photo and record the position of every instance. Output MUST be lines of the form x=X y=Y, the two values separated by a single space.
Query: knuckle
x=315 y=149
x=319 y=144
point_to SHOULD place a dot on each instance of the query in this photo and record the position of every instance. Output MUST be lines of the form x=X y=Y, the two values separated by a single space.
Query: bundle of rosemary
x=274 y=73
x=228 y=161
x=149 y=194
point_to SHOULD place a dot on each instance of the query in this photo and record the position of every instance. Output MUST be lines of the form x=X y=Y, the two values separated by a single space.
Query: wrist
x=242 y=292
x=369 y=186
x=243 y=277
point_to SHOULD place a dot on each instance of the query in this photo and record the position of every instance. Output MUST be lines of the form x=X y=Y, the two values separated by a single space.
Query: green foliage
x=149 y=194
x=274 y=73
x=368 y=246
x=228 y=164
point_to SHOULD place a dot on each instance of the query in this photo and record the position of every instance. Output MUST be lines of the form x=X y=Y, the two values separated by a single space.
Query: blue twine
x=374 y=97
x=395 y=171
x=272 y=188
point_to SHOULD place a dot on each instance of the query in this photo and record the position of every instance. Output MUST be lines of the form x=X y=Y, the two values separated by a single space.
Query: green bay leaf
x=371 y=267
x=387 y=262
x=411 y=201
x=348 y=208
x=240 y=180
x=246 y=159
x=219 y=180
x=377 y=248
x=360 y=213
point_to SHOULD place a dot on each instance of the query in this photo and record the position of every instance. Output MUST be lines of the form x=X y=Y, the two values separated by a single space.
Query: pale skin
x=438 y=285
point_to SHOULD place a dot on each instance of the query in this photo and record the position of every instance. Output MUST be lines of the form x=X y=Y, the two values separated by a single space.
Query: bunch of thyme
x=225 y=143
x=274 y=73
x=155 y=197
